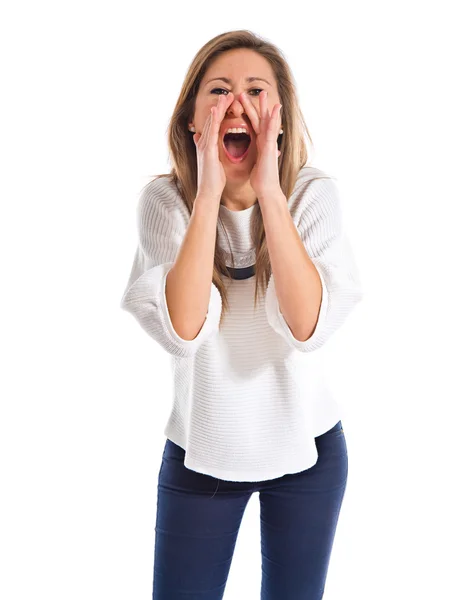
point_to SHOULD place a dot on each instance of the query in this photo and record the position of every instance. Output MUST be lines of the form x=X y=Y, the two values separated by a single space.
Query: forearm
x=297 y=282
x=188 y=283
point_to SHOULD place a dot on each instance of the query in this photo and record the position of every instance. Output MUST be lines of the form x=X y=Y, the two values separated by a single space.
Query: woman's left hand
x=264 y=177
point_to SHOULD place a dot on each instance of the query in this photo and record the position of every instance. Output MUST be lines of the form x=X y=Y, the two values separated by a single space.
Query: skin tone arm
x=188 y=283
x=297 y=282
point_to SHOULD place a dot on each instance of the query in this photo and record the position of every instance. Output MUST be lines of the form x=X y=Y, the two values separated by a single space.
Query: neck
x=238 y=197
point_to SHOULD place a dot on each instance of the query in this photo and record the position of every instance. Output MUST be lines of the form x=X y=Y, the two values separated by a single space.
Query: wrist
x=206 y=204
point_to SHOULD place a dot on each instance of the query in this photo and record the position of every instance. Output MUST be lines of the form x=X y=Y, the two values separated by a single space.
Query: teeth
x=236 y=130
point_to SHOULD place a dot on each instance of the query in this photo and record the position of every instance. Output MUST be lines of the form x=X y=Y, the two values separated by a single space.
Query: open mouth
x=236 y=145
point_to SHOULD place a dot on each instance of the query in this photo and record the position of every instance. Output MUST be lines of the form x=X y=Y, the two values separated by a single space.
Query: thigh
x=299 y=515
x=197 y=523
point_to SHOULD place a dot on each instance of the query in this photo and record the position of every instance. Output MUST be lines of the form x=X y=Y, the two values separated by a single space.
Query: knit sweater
x=248 y=397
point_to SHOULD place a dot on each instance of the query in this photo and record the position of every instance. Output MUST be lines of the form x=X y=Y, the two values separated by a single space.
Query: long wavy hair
x=182 y=150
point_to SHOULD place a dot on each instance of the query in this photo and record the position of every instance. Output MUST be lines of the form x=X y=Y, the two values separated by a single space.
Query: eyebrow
x=247 y=79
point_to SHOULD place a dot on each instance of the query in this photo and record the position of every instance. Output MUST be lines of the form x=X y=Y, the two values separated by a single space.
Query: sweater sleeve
x=161 y=229
x=321 y=230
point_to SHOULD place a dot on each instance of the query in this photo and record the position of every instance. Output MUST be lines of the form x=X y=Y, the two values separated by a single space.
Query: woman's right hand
x=211 y=178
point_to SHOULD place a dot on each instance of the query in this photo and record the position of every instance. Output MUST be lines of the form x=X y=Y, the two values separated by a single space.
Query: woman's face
x=236 y=66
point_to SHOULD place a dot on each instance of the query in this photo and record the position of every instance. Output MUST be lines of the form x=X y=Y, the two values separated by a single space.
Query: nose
x=236 y=107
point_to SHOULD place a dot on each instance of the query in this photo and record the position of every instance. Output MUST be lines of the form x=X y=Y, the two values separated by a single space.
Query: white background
x=88 y=90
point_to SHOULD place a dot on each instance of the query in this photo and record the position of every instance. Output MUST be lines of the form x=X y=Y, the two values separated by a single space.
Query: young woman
x=242 y=213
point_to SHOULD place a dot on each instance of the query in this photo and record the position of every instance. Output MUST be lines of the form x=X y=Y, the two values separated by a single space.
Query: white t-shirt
x=248 y=397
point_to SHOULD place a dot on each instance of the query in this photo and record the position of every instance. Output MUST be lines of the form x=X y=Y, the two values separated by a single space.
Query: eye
x=223 y=90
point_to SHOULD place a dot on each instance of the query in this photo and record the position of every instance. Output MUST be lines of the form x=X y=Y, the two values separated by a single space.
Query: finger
x=198 y=136
x=276 y=118
x=270 y=126
x=218 y=115
x=214 y=123
x=251 y=112
x=264 y=114
x=229 y=97
x=202 y=138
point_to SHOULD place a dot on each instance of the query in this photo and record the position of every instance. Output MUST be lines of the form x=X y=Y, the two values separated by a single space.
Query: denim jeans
x=198 y=519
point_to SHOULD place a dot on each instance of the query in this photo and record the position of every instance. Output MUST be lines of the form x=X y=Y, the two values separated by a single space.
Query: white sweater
x=249 y=398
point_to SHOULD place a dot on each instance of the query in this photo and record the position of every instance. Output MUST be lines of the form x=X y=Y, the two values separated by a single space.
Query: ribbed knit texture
x=249 y=398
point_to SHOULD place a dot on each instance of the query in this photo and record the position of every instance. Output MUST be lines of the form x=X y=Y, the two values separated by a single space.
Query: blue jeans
x=198 y=519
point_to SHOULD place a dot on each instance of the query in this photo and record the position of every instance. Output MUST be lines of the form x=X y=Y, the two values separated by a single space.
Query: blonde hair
x=182 y=150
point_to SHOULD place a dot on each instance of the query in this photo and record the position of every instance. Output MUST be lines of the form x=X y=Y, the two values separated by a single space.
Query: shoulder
x=316 y=193
x=160 y=203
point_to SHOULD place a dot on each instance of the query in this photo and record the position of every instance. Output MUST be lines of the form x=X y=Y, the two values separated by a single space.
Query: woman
x=242 y=211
